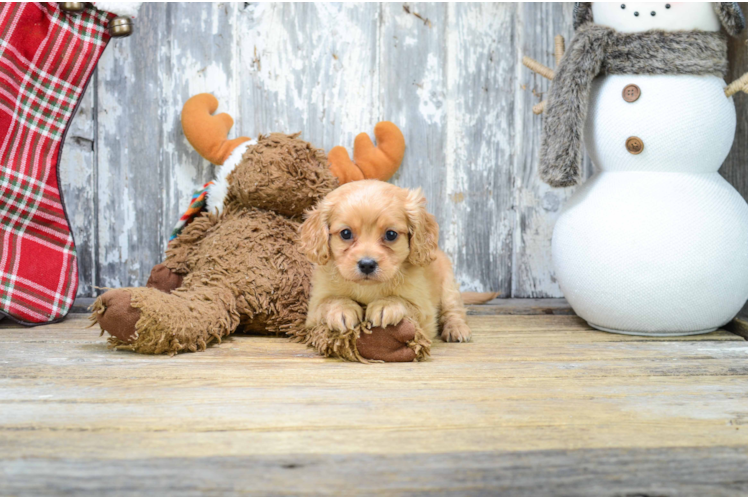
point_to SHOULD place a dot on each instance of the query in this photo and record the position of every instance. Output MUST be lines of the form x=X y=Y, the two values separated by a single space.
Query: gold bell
x=72 y=6
x=120 y=27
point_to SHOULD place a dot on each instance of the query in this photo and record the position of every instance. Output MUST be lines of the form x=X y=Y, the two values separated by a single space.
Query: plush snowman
x=656 y=241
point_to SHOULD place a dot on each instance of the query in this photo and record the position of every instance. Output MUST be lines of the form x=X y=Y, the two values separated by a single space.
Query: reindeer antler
x=369 y=161
x=545 y=71
x=207 y=133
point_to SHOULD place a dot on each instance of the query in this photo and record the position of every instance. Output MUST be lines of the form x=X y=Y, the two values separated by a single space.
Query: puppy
x=377 y=260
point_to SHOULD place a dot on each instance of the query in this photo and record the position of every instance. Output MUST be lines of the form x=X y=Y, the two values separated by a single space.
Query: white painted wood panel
x=537 y=205
x=309 y=68
x=448 y=74
x=78 y=181
x=481 y=74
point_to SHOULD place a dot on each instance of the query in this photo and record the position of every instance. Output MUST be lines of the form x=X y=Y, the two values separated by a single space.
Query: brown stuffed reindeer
x=237 y=265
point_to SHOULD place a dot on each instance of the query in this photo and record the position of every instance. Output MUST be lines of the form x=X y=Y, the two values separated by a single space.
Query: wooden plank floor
x=537 y=404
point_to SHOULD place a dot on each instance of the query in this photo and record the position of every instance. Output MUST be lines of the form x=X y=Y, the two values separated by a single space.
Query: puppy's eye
x=390 y=235
x=346 y=234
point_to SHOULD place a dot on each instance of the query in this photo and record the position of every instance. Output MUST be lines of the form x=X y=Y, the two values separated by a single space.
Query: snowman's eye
x=623 y=5
x=667 y=5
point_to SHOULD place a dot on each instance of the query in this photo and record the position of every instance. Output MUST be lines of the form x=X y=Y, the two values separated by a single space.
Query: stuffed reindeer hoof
x=393 y=344
x=115 y=314
x=390 y=344
x=164 y=279
x=113 y=310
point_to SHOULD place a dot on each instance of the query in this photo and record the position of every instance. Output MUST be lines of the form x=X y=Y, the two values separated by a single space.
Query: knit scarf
x=597 y=50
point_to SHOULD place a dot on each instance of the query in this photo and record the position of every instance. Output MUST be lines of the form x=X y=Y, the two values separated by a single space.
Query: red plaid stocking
x=46 y=60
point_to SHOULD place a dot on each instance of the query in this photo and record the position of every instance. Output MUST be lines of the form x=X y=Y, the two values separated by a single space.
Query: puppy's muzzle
x=367 y=266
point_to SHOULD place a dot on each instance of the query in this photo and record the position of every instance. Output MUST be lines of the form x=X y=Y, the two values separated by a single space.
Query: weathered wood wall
x=448 y=74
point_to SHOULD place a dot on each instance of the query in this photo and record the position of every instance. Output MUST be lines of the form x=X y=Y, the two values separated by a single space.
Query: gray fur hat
x=729 y=14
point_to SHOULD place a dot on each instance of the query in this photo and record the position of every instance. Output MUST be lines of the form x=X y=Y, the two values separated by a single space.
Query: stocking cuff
x=124 y=9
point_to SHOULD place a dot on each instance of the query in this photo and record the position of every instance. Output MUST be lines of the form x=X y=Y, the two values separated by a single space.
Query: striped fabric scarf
x=197 y=206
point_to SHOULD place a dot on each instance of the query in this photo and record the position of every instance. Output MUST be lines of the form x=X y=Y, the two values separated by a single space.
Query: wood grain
x=414 y=91
x=131 y=169
x=78 y=183
x=738 y=326
x=522 y=306
x=734 y=168
x=532 y=390
x=480 y=144
x=309 y=68
x=680 y=471
x=537 y=206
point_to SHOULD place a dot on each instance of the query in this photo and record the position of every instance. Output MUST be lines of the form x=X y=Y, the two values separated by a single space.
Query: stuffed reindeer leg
x=148 y=321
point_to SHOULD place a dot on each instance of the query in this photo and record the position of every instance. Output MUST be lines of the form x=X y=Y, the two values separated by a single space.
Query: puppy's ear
x=315 y=235
x=424 y=230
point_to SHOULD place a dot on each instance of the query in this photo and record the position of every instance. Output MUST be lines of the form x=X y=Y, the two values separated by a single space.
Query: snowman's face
x=643 y=16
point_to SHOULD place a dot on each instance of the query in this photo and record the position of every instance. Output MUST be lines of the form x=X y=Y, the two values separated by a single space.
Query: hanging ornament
x=72 y=6
x=120 y=27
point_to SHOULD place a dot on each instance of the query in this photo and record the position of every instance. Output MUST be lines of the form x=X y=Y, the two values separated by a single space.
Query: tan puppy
x=376 y=246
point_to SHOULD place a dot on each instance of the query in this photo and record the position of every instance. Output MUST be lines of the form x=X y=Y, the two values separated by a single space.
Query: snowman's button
x=631 y=92
x=634 y=145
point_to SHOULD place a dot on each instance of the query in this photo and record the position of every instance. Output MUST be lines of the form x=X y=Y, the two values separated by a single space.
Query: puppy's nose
x=367 y=266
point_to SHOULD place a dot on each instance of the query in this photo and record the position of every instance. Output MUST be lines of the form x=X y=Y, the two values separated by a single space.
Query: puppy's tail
x=470 y=298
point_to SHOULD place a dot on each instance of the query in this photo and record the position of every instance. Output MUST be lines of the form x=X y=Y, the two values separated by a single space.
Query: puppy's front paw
x=344 y=317
x=456 y=331
x=385 y=312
